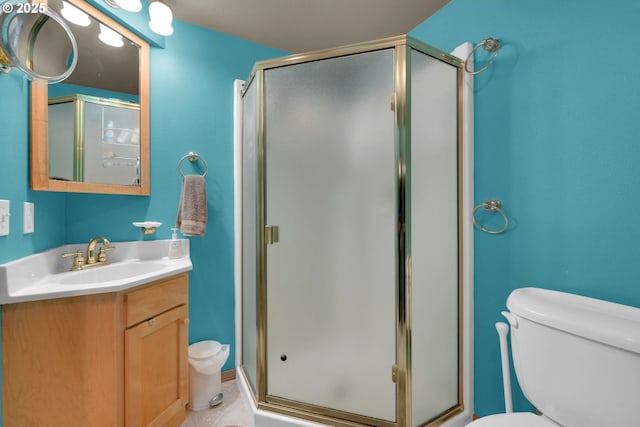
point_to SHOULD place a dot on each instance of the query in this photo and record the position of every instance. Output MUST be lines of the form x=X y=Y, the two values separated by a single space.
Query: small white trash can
x=205 y=385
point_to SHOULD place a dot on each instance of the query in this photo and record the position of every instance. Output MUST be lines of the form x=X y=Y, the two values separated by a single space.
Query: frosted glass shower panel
x=434 y=244
x=330 y=176
x=249 y=240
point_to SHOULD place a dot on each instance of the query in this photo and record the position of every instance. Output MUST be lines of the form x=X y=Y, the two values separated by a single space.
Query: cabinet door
x=156 y=370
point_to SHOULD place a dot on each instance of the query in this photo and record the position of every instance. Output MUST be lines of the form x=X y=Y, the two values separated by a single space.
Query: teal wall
x=50 y=211
x=191 y=110
x=557 y=139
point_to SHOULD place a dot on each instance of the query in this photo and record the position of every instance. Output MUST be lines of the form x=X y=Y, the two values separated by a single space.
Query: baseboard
x=228 y=375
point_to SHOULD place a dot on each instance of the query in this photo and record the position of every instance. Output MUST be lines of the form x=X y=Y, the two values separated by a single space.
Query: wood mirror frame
x=39 y=126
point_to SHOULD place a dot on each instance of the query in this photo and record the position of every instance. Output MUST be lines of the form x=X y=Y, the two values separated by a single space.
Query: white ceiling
x=304 y=25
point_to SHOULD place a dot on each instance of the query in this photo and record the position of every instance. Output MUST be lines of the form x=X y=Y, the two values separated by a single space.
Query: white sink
x=46 y=274
x=107 y=273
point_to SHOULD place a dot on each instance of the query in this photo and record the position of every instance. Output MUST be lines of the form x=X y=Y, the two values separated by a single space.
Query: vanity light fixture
x=161 y=18
x=159 y=13
x=110 y=37
x=74 y=15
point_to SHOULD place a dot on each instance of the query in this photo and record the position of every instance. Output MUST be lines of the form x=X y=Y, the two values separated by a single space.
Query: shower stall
x=353 y=229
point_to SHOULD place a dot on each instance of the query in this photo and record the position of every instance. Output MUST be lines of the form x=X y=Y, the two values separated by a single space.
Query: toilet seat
x=519 y=419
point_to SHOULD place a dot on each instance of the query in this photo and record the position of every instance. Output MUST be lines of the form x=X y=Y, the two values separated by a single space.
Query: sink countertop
x=46 y=275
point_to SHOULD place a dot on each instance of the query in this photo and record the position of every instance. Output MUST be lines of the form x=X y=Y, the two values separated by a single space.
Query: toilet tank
x=577 y=359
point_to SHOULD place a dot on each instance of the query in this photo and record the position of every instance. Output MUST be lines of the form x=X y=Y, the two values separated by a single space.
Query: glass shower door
x=331 y=276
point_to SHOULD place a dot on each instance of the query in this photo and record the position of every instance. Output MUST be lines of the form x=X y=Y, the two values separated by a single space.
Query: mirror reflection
x=108 y=62
x=94 y=139
x=94 y=115
x=96 y=136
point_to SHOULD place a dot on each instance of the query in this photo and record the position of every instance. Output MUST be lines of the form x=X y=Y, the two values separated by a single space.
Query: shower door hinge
x=394 y=373
x=393 y=101
x=271 y=234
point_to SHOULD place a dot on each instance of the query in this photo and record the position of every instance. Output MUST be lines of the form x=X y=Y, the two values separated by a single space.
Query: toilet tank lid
x=603 y=321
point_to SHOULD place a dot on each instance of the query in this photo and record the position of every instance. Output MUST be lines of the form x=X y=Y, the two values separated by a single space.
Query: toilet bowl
x=577 y=360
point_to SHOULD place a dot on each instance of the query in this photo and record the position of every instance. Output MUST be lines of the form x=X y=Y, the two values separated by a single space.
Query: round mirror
x=38 y=42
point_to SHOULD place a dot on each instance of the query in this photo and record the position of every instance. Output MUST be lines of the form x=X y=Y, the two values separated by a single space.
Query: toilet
x=577 y=360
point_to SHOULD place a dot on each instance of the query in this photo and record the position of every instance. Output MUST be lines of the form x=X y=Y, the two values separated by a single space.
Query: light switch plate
x=4 y=217
x=28 y=217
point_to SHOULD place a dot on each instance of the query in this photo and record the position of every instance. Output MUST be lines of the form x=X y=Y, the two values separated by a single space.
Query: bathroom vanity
x=109 y=359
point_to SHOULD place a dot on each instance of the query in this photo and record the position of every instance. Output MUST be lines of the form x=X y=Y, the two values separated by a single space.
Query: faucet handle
x=102 y=253
x=106 y=244
x=78 y=260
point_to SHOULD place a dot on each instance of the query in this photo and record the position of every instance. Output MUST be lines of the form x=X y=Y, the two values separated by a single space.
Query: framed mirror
x=90 y=132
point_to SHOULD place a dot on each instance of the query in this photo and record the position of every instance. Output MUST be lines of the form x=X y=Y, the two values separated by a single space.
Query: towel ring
x=491 y=206
x=489 y=44
x=193 y=157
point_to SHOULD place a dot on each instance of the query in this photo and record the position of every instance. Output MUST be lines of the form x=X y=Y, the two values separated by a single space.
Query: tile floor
x=232 y=412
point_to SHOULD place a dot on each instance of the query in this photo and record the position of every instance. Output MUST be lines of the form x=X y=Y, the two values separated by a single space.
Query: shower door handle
x=271 y=234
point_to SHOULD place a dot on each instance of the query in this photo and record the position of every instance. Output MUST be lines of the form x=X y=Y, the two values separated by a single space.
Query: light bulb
x=74 y=15
x=161 y=18
x=130 y=5
x=110 y=37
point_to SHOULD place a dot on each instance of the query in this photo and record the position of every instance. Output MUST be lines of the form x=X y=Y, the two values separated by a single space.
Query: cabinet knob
x=185 y=321
x=152 y=322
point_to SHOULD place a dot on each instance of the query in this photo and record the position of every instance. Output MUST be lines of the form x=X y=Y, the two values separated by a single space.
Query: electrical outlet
x=4 y=217
x=28 y=217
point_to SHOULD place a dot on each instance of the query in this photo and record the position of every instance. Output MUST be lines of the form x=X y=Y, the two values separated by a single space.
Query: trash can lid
x=204 y=349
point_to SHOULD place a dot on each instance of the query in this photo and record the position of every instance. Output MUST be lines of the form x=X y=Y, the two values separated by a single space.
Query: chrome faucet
x=92 y=259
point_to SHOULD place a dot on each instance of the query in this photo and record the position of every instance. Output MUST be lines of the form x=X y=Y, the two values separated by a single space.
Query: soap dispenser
x=175 y=246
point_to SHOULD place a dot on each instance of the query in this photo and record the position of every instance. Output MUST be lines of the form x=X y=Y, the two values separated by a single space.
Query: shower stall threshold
x=262 y=418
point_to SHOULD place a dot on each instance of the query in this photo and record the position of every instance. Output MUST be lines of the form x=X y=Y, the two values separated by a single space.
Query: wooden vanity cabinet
x=113 y=360
x=156 y=351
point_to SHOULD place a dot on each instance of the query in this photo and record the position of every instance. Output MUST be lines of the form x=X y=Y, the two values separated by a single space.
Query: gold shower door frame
x=400 y=103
